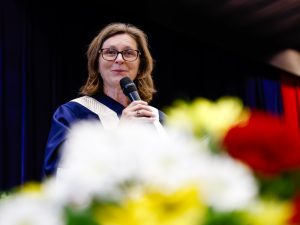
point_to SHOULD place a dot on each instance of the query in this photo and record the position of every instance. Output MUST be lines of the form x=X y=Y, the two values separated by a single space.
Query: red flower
x=266 y=143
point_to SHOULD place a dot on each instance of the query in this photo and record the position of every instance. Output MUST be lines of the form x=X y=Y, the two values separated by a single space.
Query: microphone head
x=129 y=89
x=127 y=85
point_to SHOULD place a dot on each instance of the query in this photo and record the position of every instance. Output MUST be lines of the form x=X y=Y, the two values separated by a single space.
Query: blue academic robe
x=64 y=116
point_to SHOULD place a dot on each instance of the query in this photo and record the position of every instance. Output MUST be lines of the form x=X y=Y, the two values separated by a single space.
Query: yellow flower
x=269 y=212
x=179 y=115
x=154 y=207
x=203 y=116
x=30 y=188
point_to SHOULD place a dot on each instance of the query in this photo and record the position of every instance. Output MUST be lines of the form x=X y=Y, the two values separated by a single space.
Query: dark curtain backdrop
x=28 y=75
x=43 y=64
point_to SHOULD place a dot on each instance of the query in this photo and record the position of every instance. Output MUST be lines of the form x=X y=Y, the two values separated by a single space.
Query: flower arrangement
x=267 y=144
x=219 y=163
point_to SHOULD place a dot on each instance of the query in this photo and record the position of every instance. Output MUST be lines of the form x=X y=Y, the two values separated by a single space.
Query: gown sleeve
x=64 y=116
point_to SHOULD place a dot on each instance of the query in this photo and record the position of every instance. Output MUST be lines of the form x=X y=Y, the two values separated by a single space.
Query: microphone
x=129 y=89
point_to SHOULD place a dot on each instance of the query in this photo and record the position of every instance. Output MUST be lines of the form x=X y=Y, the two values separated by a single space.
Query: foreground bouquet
x=204 y=171
x=268 y=144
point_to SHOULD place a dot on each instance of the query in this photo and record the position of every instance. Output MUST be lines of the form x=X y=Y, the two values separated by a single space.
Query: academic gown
x=67 y=114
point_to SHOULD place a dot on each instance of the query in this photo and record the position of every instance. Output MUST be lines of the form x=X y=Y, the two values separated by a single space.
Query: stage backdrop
x=43 y=64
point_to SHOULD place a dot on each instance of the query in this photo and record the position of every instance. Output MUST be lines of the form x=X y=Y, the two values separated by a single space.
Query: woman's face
x=113 y=71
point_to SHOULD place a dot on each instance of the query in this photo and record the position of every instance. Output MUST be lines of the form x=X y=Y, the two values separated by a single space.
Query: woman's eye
x=111 y=52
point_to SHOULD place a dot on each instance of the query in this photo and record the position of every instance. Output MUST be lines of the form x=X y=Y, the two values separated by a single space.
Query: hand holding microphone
x=137 y=107
x=141 y=109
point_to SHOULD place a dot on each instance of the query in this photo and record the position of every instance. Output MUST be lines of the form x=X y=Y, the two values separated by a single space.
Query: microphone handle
x=133 y=96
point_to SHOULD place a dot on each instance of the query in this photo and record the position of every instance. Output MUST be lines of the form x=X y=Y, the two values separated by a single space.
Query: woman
x=119 y=50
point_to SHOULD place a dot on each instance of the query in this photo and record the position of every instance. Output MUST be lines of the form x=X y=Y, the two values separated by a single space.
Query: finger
x=145 y=119
x=138 y=113
x=137 y=103
x=142 y=107
x=145 y=113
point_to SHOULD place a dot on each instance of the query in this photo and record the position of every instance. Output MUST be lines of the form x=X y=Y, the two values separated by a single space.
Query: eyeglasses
x=129 y=55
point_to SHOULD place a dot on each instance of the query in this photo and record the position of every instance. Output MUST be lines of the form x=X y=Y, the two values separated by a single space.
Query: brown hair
x=143 y=81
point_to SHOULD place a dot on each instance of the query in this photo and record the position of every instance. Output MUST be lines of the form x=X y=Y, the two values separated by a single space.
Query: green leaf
x=283 y=186
x=223 y=218
x=79 y=217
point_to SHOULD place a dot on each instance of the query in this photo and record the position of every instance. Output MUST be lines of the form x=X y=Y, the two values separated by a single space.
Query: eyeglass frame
x=120 y=52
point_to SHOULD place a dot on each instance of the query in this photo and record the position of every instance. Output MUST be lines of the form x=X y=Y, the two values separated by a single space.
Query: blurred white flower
x=226 y=184
x=28 y=209
x=98 y=162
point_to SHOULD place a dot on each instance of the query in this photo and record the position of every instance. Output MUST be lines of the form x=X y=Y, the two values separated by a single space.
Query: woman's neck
x=117 y=95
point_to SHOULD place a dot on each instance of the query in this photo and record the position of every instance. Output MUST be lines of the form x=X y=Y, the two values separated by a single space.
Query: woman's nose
x=119 y=57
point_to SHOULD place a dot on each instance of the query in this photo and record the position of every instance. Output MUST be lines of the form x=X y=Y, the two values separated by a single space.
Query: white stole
x=108 y=117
